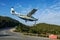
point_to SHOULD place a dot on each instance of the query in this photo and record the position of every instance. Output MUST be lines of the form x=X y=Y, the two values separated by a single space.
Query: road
x=7 y=35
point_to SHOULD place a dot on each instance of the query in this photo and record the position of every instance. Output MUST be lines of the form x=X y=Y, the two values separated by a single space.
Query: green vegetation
x=41 y=29
x=45 y=28
x=7 y=22
x=22 y=28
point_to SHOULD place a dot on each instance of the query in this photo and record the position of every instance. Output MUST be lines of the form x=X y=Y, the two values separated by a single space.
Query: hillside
x=7 y=22
x=41 y=28
x=46 y=28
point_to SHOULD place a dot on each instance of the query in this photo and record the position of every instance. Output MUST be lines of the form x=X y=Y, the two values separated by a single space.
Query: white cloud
x=3 y=4
x=23 y=9
x=50 y=16
x=55 y=7
x=17 y=5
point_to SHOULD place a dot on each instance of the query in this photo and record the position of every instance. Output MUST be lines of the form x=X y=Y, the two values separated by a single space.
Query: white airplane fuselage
x=25 y=17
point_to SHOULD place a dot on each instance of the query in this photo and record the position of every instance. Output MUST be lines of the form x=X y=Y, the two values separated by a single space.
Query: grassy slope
x=47 y=28
x=7 y=22
x=41 y=28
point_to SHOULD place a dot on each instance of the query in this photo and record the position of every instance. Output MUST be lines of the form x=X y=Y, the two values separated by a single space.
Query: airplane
x=27 y=17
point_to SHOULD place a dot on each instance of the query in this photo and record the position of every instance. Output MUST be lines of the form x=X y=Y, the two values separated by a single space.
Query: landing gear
x=35 y=23
x=25 y=20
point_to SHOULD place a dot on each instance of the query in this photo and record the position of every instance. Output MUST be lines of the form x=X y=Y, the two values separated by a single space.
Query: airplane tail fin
x=12 y=11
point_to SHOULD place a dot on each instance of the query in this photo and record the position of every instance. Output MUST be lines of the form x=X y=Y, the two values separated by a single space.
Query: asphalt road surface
x=7 y=35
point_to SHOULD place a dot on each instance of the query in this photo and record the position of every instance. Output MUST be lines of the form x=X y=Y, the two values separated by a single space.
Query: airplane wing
x=32 y=12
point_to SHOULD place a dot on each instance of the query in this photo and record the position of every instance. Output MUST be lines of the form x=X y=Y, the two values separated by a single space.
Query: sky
x=48 y=11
